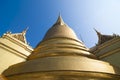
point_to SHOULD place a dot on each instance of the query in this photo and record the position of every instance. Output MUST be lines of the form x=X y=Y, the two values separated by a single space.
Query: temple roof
x=104 y=38
x=19 y=36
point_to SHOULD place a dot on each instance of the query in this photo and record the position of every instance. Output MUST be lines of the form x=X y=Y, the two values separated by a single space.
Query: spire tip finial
x=60 y=20
x=25 y=30
x=59 y=13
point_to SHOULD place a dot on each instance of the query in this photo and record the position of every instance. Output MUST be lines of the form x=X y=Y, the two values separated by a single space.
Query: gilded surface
x=63 y=75
x=61 y=56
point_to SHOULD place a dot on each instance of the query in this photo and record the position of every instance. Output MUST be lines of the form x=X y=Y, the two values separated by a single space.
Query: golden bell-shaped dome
x=60 y=40
x=60 y=29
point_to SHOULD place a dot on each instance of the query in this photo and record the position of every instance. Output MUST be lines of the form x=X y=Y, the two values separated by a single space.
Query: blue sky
x=81 y=15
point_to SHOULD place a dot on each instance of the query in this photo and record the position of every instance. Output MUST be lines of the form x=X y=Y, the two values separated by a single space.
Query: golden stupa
x=62 y=56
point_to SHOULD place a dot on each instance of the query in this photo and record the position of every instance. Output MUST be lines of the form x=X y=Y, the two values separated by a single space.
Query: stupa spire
x=60 y=29
x=60 y=20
